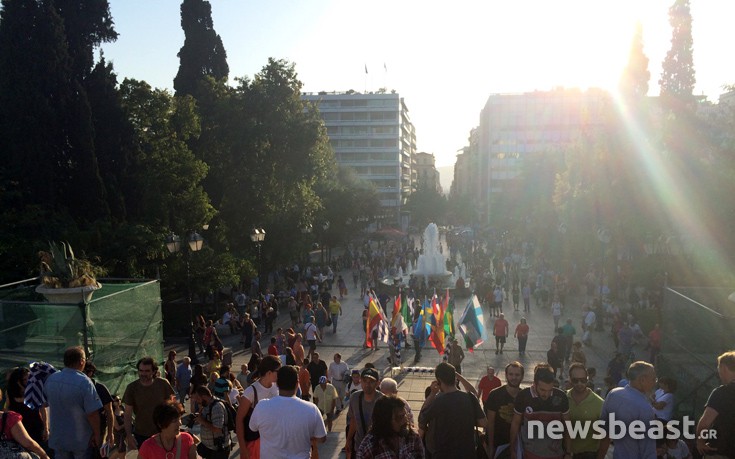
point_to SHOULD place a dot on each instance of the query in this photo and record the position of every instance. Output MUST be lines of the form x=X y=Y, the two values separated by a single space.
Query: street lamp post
x=325 y=227
x=195 y=243
x=603 y=235
x=257 y=235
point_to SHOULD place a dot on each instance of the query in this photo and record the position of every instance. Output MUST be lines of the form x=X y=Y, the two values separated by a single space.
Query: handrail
x=680 y=400
x=20 y=282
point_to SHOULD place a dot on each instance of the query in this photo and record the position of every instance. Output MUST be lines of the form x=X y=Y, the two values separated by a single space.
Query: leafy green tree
x=167 y=176
x=460 y=210
x=203 y=54
x=279 y=152
x=426 y=205
x=348 y=203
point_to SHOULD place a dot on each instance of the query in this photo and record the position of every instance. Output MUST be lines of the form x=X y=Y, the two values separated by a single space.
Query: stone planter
x=68 y=295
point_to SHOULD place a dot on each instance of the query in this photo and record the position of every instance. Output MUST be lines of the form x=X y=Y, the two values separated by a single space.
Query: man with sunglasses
x=584 y=406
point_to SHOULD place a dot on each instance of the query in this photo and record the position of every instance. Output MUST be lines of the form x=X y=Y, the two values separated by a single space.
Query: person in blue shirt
x=74 y=409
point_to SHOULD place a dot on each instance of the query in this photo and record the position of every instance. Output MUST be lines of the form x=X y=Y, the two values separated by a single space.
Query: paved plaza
x=411 y=384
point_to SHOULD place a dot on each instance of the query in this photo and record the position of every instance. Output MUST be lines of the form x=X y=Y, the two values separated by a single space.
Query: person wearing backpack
x=215 y=436
x=262 y=389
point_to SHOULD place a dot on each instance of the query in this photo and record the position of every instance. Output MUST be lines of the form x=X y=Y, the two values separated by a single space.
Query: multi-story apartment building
x=464 y=181
x=462 y=173
x=373 y=134
x=426 y=171
x=514 y=127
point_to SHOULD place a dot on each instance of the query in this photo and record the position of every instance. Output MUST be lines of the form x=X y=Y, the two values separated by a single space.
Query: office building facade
x=373 y=135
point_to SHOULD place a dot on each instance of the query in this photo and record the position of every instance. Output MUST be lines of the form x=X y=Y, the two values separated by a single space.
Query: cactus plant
x=61 y=269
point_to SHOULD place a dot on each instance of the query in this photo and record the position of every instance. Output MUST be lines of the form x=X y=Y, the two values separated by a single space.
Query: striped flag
x=472 y=324
x=376 y=322
x=34 y=397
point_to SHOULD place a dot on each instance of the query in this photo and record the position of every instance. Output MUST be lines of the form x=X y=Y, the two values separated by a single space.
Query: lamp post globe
x=257 y=236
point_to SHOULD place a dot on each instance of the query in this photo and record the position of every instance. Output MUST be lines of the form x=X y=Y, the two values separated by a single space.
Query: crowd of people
x=286 y=399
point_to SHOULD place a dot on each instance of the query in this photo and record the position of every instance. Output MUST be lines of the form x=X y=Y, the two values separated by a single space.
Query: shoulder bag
x=10 y=449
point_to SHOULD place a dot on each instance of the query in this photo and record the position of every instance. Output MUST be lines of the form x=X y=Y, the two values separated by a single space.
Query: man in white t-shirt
x=262 y=389
x=336 y=375
x=287 y=436
x=312 y=336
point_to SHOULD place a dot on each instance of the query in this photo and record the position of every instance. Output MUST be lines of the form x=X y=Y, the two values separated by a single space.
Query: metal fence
x=121 y=324
x=697 y=326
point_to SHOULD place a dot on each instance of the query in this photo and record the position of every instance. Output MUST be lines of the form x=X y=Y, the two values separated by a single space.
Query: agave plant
x=61 y=269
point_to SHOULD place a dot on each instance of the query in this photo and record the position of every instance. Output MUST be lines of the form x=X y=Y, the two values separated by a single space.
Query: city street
x=411 y=384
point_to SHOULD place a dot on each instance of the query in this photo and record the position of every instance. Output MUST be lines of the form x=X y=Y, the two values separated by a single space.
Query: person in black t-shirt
x=317 y=368
x=719 y=413
x=107 y=423
x=499 y=410
x=540 y=402
x=452 y=414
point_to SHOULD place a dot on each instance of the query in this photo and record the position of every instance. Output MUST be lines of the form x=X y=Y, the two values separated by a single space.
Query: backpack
x=230 y=416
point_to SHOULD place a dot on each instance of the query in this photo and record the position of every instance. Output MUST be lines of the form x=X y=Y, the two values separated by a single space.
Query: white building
x=373 y=134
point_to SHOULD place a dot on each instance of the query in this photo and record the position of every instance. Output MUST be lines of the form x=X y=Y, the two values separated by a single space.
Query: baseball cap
x=322 y=379
x=370 y=373
x=355 y=371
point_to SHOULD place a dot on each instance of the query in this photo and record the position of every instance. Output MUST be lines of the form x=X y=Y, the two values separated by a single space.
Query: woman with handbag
x=13 y=436
x=169 y=442
x=35 y=420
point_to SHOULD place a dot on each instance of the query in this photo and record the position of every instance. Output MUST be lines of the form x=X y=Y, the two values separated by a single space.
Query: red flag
x=437 y=326
x=396 y=308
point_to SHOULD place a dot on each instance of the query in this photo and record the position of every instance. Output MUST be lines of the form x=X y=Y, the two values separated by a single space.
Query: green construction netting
x=121 y=324
x=697 y=326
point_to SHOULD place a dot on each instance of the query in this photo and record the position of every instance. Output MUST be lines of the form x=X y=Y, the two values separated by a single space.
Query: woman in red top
x=169 y=443
x=12 y=429
x=522 y=334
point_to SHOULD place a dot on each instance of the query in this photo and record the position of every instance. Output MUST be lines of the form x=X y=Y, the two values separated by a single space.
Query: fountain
x=431 y=263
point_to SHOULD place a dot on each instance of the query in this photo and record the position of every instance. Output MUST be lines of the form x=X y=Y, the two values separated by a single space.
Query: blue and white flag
x=34 y=396
x=472 y=324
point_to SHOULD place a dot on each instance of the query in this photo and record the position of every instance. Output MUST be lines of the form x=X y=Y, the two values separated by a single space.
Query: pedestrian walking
x=521 y=334
x=500 y=331
x=556 y=308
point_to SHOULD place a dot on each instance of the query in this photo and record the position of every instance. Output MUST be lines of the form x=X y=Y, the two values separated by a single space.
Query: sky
x=443 y=58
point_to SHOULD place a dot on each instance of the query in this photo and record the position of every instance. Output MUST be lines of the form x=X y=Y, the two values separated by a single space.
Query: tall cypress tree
x=113 y=137
x=203 y=54
x=634 y=81
x=34 y=73
x=87 y=23
x=678 y=76
x=46 y=54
